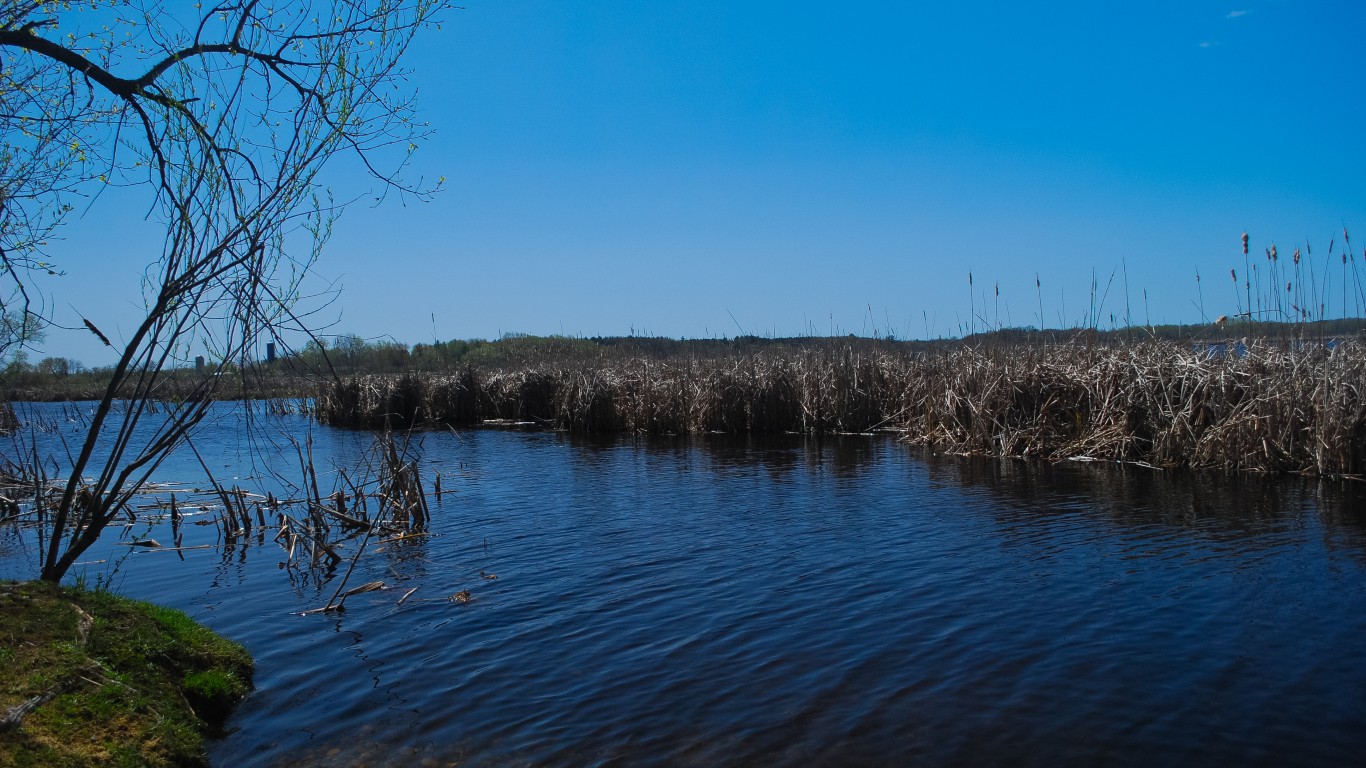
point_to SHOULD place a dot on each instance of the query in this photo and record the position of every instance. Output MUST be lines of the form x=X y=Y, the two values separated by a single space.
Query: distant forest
x=54 y=378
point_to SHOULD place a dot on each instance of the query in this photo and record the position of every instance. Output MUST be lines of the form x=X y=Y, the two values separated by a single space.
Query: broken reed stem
x=398 y=487
x=312 y=473
x=354 y=559
x=421 y=494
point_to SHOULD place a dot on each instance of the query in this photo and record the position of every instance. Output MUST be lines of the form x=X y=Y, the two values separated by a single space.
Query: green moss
x=214 y=692
x=142 y=689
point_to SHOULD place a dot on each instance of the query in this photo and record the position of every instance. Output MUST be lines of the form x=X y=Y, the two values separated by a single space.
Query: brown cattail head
x=105 y=339
x=969 y=278
x=1234 y=274
x=1271 y=254
x=1244 y=243
x=1297 y=257
x=1287 y=287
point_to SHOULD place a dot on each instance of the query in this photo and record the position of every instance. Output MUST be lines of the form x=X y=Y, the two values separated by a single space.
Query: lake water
x=782 y=601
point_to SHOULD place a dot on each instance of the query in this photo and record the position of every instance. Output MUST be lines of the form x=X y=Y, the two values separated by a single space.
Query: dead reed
x=1259 y=406
x=1274 y=405
x=798 y=390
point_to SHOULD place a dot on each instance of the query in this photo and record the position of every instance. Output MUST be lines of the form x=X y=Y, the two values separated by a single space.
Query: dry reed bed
x=1275 y=408
x=1278 y=407
x=813 y=391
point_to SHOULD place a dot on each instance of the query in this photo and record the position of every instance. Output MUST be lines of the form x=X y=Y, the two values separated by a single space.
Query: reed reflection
x=1243 y=507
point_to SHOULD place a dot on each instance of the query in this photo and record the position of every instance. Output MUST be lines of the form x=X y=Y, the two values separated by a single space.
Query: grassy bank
x=1272 y=405
x=89 y=678
x=173 y=386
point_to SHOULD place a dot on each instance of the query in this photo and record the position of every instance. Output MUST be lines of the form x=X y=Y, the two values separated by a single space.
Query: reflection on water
x=792 y=601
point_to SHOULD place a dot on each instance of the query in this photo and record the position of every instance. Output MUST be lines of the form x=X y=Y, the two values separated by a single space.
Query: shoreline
x=95 y=678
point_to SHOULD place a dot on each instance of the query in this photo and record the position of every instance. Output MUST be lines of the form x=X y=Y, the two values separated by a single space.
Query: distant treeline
x=298 y=373
x=1229 y=396
x=351 y=354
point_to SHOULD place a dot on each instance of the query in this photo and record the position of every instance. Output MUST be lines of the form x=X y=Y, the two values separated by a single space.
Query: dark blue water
x=790 y=601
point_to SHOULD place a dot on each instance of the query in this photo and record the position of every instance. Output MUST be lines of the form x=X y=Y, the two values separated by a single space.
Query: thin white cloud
x=1209 y=44
x=1237 y=14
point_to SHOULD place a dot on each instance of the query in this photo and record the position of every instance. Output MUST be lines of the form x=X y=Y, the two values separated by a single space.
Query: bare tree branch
x=233 y=116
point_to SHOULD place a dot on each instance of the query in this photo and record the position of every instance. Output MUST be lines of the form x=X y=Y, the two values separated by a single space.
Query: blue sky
x=710 y=168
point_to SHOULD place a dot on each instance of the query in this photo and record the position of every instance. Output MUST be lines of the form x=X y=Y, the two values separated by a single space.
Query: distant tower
x=270 y=351
x=199 y=363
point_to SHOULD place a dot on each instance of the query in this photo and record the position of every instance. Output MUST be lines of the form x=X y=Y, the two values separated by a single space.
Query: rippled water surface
x=788 y=601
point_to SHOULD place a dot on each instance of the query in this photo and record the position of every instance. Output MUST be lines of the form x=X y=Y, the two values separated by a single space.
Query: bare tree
x=225 y=119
